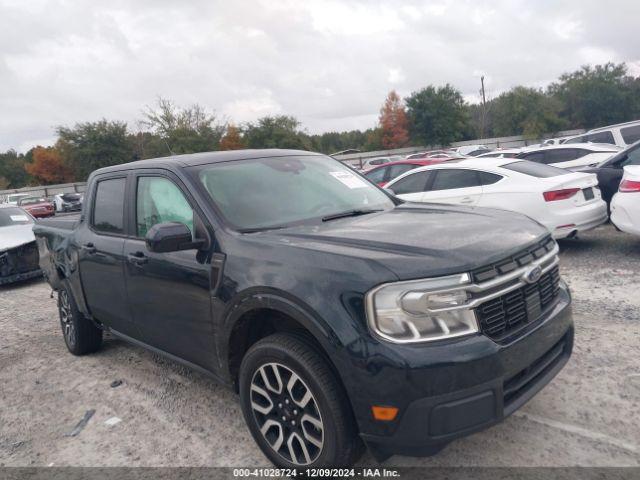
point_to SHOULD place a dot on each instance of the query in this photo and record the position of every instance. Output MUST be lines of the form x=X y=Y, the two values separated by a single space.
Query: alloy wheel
x=66 y=319
x=287 y=413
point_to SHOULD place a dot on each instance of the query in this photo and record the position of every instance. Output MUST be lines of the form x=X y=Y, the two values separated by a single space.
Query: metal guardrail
x=358 y=159
x=46 y=191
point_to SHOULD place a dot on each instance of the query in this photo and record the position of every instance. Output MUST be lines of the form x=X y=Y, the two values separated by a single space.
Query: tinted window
x=108 y=213
x=477 y=152
x=630 y=134
x=450 y=179
x=538 y=170
x=632 y=157
x=487 y=178
x=415 y=182
x=377 y=175
x=580 y=139
x=397 y=170
x=378 y=161
x=602 y=137
x=160 y=200
x=533 y=156
x=563 y=155
x=13 y=216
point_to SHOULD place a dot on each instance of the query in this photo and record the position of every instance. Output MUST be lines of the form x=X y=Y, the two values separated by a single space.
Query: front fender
x=268 y=298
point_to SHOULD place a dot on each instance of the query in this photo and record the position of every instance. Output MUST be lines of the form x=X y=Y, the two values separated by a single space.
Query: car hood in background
x=15 y=235
x=416 y=241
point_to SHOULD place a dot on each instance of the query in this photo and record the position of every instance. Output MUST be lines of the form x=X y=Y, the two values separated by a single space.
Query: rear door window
x=487 y=178
x=630 y=134
x=108 y=209
x=449 y=179
x=602 y=137
x=412 y=183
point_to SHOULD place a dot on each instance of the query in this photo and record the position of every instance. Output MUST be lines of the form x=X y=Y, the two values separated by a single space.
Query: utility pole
x=483 y=121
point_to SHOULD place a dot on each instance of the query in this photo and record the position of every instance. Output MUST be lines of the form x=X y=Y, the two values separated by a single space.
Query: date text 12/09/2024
x=316 y=472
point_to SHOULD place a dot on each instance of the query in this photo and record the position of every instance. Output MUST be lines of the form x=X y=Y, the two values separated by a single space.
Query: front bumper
x=20 y=277
x=20 y=263
x=467 y=387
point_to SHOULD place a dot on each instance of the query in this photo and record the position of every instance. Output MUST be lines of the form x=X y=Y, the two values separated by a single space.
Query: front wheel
x=294 y=407
x=80 y=335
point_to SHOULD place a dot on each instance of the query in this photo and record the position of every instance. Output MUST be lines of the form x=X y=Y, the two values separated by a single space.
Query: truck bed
x=52 y=237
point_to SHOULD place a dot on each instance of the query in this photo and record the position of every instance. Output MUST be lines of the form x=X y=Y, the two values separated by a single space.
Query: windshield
x=539 y=170
x=31 y=201
x=281 y=191
x=13 y=216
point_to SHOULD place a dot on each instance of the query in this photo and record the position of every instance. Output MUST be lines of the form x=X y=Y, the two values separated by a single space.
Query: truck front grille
x=503 y=316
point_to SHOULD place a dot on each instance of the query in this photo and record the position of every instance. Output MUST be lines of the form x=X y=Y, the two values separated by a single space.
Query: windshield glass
x=13 y=216
x=30 y=201
x=280 y=191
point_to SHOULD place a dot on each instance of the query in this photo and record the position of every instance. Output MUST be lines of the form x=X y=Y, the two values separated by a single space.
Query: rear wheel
x=294 y=406
x=80 y=335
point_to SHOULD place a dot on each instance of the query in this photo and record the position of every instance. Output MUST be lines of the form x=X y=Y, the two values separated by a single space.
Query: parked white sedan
x=574 y=156
x=625 y=206
x=565 y=202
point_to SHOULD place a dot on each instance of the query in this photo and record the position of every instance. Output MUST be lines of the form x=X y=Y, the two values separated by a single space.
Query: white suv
x=622 y=135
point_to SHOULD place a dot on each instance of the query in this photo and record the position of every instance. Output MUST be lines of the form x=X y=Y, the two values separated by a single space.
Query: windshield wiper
x=350 y=213
x=261 y=229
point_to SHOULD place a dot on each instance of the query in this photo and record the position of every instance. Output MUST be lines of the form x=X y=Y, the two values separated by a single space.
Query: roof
x=596 y=147
x=204 y=158
x=617 y=125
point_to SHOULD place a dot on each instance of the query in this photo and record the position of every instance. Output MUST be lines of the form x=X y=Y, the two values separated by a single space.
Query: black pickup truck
x=343 y=316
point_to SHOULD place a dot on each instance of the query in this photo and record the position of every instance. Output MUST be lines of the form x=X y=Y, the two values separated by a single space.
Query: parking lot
x=170 y=416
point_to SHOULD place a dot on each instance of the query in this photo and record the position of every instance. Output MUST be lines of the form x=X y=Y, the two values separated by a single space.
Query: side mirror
x=171 y=237
x=390 y=190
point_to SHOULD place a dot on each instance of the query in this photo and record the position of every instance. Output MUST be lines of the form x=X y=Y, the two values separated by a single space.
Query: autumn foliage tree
x=393 y=122
x=231 y=139
x=48 y=166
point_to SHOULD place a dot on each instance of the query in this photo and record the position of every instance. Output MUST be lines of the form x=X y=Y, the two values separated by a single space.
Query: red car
x=38 y=207
x=385 y=173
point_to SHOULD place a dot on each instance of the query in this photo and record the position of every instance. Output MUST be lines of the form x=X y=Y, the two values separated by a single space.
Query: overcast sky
x=329 y=63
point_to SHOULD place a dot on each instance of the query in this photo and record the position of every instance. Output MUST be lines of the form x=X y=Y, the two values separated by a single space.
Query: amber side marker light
x=385 y=414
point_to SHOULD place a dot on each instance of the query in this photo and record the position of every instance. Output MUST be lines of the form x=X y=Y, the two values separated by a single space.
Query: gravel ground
x=170 y=416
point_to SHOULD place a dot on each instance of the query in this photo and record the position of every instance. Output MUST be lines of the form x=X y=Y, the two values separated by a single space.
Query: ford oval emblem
x=533 y=274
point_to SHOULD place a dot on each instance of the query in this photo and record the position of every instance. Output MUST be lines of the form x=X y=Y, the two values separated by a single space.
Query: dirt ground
x=170 y=416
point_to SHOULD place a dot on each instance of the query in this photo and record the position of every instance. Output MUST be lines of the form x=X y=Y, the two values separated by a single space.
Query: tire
x=284 y=377
x=80 y=335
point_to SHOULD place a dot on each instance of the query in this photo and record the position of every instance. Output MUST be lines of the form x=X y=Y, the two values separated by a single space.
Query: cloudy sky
x=329 y=63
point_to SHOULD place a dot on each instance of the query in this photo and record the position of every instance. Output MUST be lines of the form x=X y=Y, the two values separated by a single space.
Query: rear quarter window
x=630 y=134
x=537 y=170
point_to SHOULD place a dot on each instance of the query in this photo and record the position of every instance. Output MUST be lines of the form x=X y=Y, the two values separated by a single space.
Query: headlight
x=421 y=310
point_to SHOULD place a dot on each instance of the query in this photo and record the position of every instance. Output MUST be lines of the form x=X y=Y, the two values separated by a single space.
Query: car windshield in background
x=13 y=216
x=539 y=170
x=31 y=201
x=282 y=191
x=70 y=197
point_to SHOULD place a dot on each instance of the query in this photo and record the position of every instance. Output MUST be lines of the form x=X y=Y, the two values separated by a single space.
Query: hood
x=418 y=240
x=15 y=235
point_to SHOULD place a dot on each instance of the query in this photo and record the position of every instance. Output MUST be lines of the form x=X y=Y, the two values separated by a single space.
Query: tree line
x=435 y=115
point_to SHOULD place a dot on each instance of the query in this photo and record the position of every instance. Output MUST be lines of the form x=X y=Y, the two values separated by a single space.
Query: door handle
x=466 y=200
x=137 y=258
x=89 y=248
